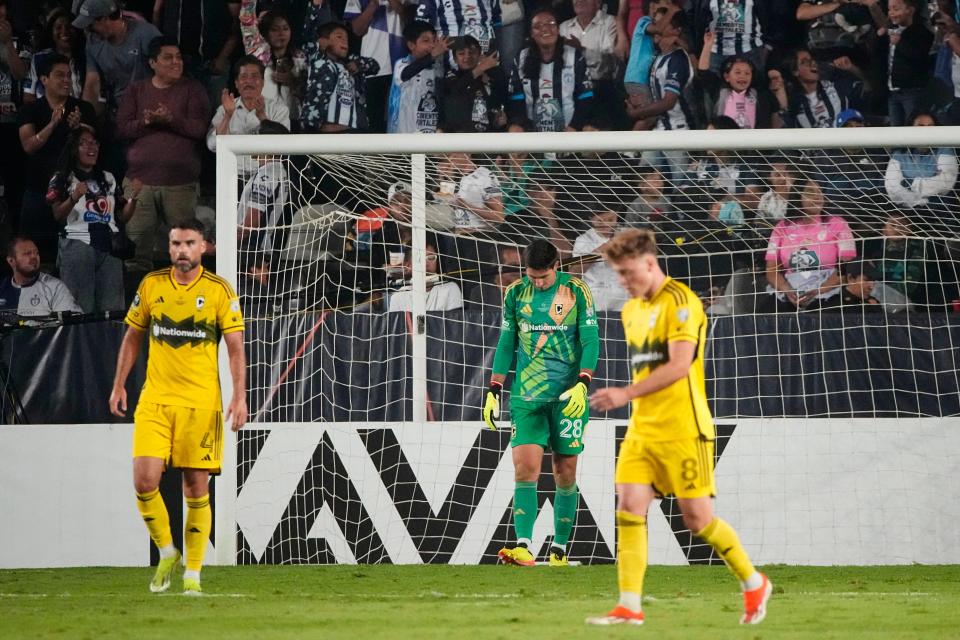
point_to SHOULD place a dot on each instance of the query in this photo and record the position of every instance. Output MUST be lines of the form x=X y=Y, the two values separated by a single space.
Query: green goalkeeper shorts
x=544 y=424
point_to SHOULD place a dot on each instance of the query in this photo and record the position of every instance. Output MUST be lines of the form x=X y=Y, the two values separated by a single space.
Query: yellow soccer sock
x=721 y=536
x=631 y=557
x=197 y=531
x=154 y=514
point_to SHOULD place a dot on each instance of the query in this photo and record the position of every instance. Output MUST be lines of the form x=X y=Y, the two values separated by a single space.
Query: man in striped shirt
x=742 y=27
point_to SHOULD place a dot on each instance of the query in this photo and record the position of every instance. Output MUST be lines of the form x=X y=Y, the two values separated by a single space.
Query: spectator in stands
x=780 y=179
x=262 y=209
x=335 y=101
x=642 y=51
x=379 y=25
x=454 y=18
x=741 y=28
x=722 y=172
x=116 y=52
x=413 y=105
x=477 y=202
x=207 y=33
x=863 y=291
x=243 y=115
x=163 y=120
x=442 y=295
x=897 y=258
x=908 y=64
x=733 y=94
x=58 y=38
x=608 y=295
x=474 y=92
x=726 y=208
x=918 y=177
x=29 y=291
x=595 y=33
x=805 y=252
x=515 y=172
x=812 y=102
x=270 y=42
x=549 y=87
x=93 y=208
x=670 y=76
x=44 y=128
x=651 y=204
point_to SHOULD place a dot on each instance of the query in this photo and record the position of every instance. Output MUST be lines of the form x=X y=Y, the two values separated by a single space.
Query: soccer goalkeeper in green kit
x=550 y=324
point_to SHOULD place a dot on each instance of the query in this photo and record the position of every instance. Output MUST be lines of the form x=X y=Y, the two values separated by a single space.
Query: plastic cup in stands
x=396 y=258
x=448 y=188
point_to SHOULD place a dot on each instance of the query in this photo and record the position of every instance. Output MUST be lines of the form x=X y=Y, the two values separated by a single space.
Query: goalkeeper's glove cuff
x=495 y=388
x=586 y=379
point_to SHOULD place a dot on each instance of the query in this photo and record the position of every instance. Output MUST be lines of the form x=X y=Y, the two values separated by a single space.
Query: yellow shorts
x=683 y=468
x=184 y=437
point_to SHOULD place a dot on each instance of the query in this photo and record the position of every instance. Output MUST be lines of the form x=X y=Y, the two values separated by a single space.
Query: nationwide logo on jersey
x=187 y=331
x=649 y=355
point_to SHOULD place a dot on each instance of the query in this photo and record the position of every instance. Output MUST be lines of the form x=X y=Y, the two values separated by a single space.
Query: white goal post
x=355 y=157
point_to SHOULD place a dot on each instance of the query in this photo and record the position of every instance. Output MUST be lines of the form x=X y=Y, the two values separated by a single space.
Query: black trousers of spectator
x=378 y=93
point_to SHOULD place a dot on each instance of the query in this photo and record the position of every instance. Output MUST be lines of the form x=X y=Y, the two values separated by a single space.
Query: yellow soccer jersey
x=680 y=410
x=185 y=323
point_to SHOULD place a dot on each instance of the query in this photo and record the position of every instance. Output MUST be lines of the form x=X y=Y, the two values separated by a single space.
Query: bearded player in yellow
x=668 y=448
x=178 y=421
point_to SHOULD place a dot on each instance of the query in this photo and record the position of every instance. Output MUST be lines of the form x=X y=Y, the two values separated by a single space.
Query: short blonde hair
x=631 y=243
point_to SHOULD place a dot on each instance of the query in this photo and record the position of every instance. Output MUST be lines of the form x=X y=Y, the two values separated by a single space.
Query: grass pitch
x=475 y=602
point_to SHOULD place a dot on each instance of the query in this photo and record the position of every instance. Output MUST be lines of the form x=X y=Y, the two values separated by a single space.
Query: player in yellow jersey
x=668 y=448
x=178 y=420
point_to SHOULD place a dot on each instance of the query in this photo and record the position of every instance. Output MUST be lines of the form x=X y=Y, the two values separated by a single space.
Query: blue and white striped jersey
x=672 y=73
x=737 y=24
x=453 y=18
x=551 y=99
x=413 y=106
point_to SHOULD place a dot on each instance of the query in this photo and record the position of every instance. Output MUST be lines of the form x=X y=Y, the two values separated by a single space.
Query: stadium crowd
x=110 y=113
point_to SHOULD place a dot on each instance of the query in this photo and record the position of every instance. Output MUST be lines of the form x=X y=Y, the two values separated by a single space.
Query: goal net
x=371 y=271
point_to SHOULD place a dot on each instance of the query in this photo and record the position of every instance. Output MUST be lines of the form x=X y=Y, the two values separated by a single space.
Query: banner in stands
x=821 y=492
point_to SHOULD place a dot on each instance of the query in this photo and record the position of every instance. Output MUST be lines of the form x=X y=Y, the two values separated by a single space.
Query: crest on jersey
x=235 y=306
x=136 y=300
x=683 y=314
x=558 y=308
x=200 y=302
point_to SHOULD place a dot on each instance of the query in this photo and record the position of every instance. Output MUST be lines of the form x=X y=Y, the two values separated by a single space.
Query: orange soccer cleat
x=619 y=615
x=755 y=602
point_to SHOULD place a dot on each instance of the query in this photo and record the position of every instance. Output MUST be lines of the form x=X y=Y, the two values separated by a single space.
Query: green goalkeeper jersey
x=553 y=334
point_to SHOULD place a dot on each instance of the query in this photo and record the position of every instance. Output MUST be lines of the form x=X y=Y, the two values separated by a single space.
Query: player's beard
x=184 y=264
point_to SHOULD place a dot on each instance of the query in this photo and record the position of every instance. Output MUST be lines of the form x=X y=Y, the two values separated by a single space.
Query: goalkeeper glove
x=491 y=405
x=576 y=397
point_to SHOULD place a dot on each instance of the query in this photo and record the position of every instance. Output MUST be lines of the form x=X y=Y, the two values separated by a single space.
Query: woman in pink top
x=805 y=251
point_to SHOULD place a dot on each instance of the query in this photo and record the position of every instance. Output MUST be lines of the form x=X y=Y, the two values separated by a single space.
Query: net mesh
x=325 y=274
